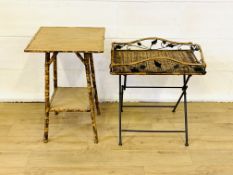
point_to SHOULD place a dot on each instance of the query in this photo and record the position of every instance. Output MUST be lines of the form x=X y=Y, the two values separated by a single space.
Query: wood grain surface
x=72 y=151
x=67 y=39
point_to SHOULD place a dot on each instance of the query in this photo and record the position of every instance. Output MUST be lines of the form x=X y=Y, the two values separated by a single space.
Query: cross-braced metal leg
x=185 y=112
x=123 y=88
x=183 y=94
x=120 y=108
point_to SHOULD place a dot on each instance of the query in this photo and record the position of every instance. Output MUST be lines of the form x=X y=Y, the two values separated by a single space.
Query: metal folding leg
x=123 y=88
x=185 y=111
x=120 y=107
x=183 y=94
x=184 y=86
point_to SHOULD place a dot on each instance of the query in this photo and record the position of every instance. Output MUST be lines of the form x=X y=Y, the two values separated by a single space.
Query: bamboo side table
x=83 y=41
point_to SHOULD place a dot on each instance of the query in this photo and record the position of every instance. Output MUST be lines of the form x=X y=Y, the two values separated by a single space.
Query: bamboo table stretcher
x=83 y=41
x=156 y=56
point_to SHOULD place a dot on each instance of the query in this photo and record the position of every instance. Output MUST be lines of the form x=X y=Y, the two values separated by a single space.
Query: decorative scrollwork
x=160 y=56
x=155 y=44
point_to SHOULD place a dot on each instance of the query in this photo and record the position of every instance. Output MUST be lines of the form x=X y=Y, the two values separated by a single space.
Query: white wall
x=208 y=22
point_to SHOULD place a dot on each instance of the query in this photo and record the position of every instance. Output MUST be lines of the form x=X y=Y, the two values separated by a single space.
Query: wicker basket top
x=169 y=58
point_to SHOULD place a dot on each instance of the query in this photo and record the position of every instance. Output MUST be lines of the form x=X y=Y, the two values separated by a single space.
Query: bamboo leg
x=94 y=85
x=55 y=73
x=55 y=76
x=87 y=57
x=47 y=105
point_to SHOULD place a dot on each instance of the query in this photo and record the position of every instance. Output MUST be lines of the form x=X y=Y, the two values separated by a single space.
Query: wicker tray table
x=156 y=56
x=83 y=41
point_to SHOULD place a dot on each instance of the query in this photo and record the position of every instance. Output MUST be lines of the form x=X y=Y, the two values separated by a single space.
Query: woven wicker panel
x=159 y=62
x=70 y=100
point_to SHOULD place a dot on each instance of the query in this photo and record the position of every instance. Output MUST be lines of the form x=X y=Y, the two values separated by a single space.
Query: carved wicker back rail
x=157 y=56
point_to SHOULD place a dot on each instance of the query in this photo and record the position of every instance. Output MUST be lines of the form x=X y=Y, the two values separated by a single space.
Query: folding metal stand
x=123 y=87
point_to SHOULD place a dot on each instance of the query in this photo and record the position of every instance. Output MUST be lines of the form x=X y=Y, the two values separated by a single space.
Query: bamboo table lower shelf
x=68 y=99
x=83 y=42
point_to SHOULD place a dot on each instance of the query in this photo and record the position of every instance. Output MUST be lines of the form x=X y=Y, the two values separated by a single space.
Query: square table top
x=68 y=39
